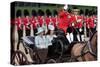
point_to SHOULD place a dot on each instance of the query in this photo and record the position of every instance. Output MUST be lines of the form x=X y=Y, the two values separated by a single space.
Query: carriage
x=59 y=51
x=55 y=53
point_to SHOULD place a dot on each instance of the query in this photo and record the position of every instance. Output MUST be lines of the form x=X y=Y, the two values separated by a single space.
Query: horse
x=86 y=51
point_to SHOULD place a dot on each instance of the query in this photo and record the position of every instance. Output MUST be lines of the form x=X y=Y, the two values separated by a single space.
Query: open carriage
x=59 y=51
x=53 y=54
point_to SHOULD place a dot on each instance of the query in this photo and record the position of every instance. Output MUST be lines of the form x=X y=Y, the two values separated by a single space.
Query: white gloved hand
x=80 y=30
x=79 y=20
x=72 y=24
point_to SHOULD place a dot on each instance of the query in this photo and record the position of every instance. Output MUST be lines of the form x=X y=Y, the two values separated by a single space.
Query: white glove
x=79 y=20
x=80 y=30
x=72 y=24
x=69 y=16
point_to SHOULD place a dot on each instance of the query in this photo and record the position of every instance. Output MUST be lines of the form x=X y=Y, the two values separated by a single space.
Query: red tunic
x=91 y=22
x=33 y=22
x=26 y=23
x=40 y=20
x=86 y=21
x=47 y=19
x=54 y=21
x=18 y=22
x=79 y=22
x=72 y=20
x=63 y=20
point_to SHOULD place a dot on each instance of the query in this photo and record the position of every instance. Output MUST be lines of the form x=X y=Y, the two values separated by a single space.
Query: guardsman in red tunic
x=86 y=20
x=76 y=21
x=82 y=33
x=40 y=20
x=95 y=20
x=55 y=21
x=33 y=22
x=79 y=26
x=36 y=24
x=19 y=24
x=91 y=24
x=47 y=20
x=51 y=21
x=71 y=25
x=27 y=22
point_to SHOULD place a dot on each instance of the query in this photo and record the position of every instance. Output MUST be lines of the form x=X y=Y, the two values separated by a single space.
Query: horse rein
x=89 y=50
x=84 y=52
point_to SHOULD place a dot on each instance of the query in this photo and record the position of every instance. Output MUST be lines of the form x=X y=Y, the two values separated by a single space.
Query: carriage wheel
x=34 y=56
x=60 y=52
x=51 y=61
x=19 y=58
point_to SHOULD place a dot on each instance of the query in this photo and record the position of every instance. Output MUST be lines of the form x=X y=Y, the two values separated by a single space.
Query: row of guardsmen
x=73 y=24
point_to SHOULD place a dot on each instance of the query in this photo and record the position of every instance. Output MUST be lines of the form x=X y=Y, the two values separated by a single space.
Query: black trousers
x=70 y=29
x=92 y=30
x=27 y=32
x=75 y=32
x=80 y=32
x=35 y=31
x=11 y=38
x=87 y=32
x=20 y=34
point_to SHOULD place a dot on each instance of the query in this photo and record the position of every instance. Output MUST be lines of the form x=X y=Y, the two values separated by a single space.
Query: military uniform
x=27 y=22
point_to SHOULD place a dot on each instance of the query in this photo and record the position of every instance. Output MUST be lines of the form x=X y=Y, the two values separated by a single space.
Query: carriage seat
x=29 y=41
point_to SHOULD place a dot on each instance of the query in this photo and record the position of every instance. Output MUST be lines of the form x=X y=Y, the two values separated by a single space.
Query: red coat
x=33 y=22
x=91 y=22
x=79 y=23
x=86 y=21
x=95 y=18
x=27 y=23
x=40 y=20
x=63 y=20
x=47 y=19
x=54 y=21
x=72 y=20
x=18 y=22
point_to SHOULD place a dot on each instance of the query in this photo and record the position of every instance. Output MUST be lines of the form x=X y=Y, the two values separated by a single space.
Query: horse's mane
x=92 y=35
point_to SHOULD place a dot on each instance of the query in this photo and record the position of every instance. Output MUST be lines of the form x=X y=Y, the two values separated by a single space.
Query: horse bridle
x=88 y=45
x=90 y=50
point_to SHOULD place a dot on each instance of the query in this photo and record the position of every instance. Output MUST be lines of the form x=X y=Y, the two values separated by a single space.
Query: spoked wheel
x=59 y=50
x=19 y=58
x=34 y=56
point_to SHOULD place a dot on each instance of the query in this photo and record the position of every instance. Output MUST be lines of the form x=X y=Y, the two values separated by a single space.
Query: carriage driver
x=40 y=39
